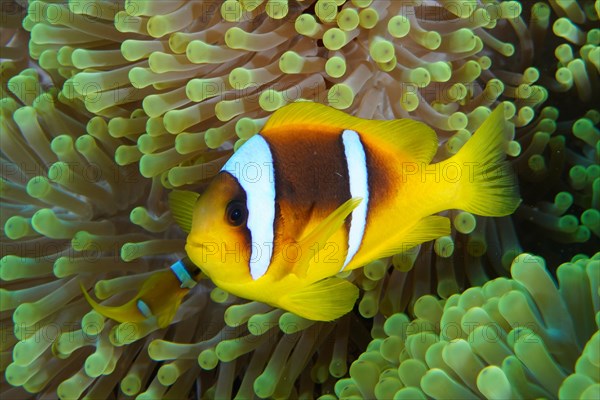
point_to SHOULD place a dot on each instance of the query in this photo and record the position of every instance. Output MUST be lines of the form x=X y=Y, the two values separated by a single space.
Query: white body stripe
x=359 y=187
x=252 y=166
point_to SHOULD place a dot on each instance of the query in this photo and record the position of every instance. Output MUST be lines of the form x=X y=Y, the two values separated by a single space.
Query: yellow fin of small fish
x=319 y=235
x=491 y=188
x=428 y=228
x=325 y=300
x=127 y=312
x=410 y=140
x=181 y=203
x=169 y=309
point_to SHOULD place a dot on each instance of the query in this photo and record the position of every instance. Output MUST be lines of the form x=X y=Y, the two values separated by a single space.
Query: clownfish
x=317 y=192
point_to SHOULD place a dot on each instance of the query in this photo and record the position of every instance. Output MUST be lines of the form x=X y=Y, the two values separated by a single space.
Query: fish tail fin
x=127 y=312
x=483 y=182
x=325 y=300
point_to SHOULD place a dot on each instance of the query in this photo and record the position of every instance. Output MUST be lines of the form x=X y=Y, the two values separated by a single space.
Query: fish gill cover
x=108 y=105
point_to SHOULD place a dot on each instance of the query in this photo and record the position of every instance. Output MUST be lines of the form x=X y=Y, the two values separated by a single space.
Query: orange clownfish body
x=317 y=192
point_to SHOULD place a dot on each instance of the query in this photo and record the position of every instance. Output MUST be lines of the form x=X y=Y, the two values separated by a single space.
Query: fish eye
x=236 y=213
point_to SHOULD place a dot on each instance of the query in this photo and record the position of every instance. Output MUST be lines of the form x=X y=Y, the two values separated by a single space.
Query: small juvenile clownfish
x=159 y=296
x=317 y=192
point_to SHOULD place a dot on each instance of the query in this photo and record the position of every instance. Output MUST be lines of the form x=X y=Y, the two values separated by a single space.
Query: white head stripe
x=359 y=187
x=183 y=275
x=252 y=166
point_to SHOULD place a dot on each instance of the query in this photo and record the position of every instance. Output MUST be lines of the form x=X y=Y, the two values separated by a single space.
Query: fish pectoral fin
x=428 y=228
x=325 y=300
x=315 y=241
x=181 y=203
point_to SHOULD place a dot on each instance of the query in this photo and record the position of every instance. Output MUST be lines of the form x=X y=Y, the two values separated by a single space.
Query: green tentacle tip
x=568 y=223
x=246 y=127
x=168 y=374
x=382 y=50
x=264 y=385
x=291 y=62
x=340 y=96
x=335 y=67
x=277 y=9
x=334 y=39
x=368 y=305
x=236 y=38
x=208 y=359
x=348 y=19
x=218 y=295
x=92 y=323
x=231 y=11
x=591 y=219
x=271 y=100
x=326 y=10
x=398 y=26
x=444 y=246
x=290 y=323
x=17 y=227
x=130 y=251
x=95 y=364
x=306 y=25
x=375 y=270
x=465 y=222
x=368 y=18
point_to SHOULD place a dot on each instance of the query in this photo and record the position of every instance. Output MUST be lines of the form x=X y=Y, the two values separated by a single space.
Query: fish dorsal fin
x=325 y=300
x=181 y=203
x=309 y=113
x=316 y=240
x=413 y=140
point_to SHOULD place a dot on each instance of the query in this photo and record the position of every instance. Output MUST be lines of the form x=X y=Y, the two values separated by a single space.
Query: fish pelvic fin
x=325 y=300
x=160 y=296
x=485 y=183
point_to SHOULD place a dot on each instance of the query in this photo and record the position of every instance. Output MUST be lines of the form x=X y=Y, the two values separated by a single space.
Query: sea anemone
x=118 y=102
x=510 y=338
x=208 y=73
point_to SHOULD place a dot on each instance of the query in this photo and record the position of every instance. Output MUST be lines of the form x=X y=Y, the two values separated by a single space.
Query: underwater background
x=108 y=105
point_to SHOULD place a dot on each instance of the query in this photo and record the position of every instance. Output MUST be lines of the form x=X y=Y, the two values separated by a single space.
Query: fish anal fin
x=428 y=228
x=325 y=300
x=181 y=203
x=410 y=140
x=313 y=242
